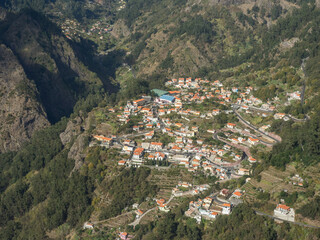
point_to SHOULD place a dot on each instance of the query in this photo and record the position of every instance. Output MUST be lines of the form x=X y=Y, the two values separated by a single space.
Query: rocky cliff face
x=3 y=14
x=76 y=135
x=20 y=111
x=50 y=61
x=41 y=77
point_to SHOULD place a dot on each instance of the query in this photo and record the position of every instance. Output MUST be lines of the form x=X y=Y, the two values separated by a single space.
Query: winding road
x=137 y=220
x=253 y=127
x=255 y=108
x=276 y=218
x=297 y=119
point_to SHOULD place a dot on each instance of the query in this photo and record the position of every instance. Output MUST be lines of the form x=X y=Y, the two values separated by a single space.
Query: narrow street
x=253 y=127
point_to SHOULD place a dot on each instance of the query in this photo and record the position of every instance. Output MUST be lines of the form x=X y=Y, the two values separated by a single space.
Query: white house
x=156 y=146
x=226 y=209
x=243 y=171
x=284 y=212
x=231 y=125
x=253 y=141
x=122 y=163
x=252 y=160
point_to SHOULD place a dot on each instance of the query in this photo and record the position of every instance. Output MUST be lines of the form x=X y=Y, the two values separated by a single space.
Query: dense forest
x=127 y=188
x=43 y=190
x=56 y=197
x=243 y=223
x=300 y=144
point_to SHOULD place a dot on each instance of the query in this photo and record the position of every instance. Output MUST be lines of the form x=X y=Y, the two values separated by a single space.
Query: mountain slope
x=197 y=38
x=49 y=72
x=49 y=60
x=20 y=112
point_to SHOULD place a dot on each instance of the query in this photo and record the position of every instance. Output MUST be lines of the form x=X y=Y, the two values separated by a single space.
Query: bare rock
x=3 y=14
x=20 y=111
x=76 y=151
x=73 y=129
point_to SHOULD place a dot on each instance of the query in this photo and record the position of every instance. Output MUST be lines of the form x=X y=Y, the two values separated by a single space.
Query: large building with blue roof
x=167 y=98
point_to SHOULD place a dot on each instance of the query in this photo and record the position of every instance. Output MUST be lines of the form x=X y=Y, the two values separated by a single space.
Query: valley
x=164 y=119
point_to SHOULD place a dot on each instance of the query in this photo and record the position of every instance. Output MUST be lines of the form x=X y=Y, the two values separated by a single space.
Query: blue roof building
x=167 y=98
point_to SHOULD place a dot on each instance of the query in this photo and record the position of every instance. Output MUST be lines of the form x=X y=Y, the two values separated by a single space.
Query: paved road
x=216 y=199
x=254 y=108
x=253 y=127
x=297 y=119
x=137 y=221
x=114 y=218
x=297 y=223
x=254 y=136
x=246 y=150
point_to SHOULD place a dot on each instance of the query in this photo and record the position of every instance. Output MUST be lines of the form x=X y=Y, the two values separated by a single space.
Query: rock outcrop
x=76 y=134
x=20 y=111
x=73 y=129
x=3 y=14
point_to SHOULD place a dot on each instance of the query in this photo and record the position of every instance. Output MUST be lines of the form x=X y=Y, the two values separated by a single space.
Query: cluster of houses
x=210 y=162
x=203 y=208
x=183 y=188
x=212 y=206
x=281 y=116
x=162 y=206
x=245 y=138
x=296 y=180
x=187 y=147
x=98 y=29
x=72 y=28
x=294 y=96
x=206 y=90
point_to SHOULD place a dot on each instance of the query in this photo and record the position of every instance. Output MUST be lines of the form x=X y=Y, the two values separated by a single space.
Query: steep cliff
x=41 y=77
x=50 y=61
x=20 y=111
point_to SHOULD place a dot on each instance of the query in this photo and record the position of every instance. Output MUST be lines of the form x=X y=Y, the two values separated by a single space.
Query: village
x=72 y=29
x=96 y=29
x=174 y=128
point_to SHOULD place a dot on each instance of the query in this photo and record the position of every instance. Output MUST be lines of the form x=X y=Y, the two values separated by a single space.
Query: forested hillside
x=242 y=224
